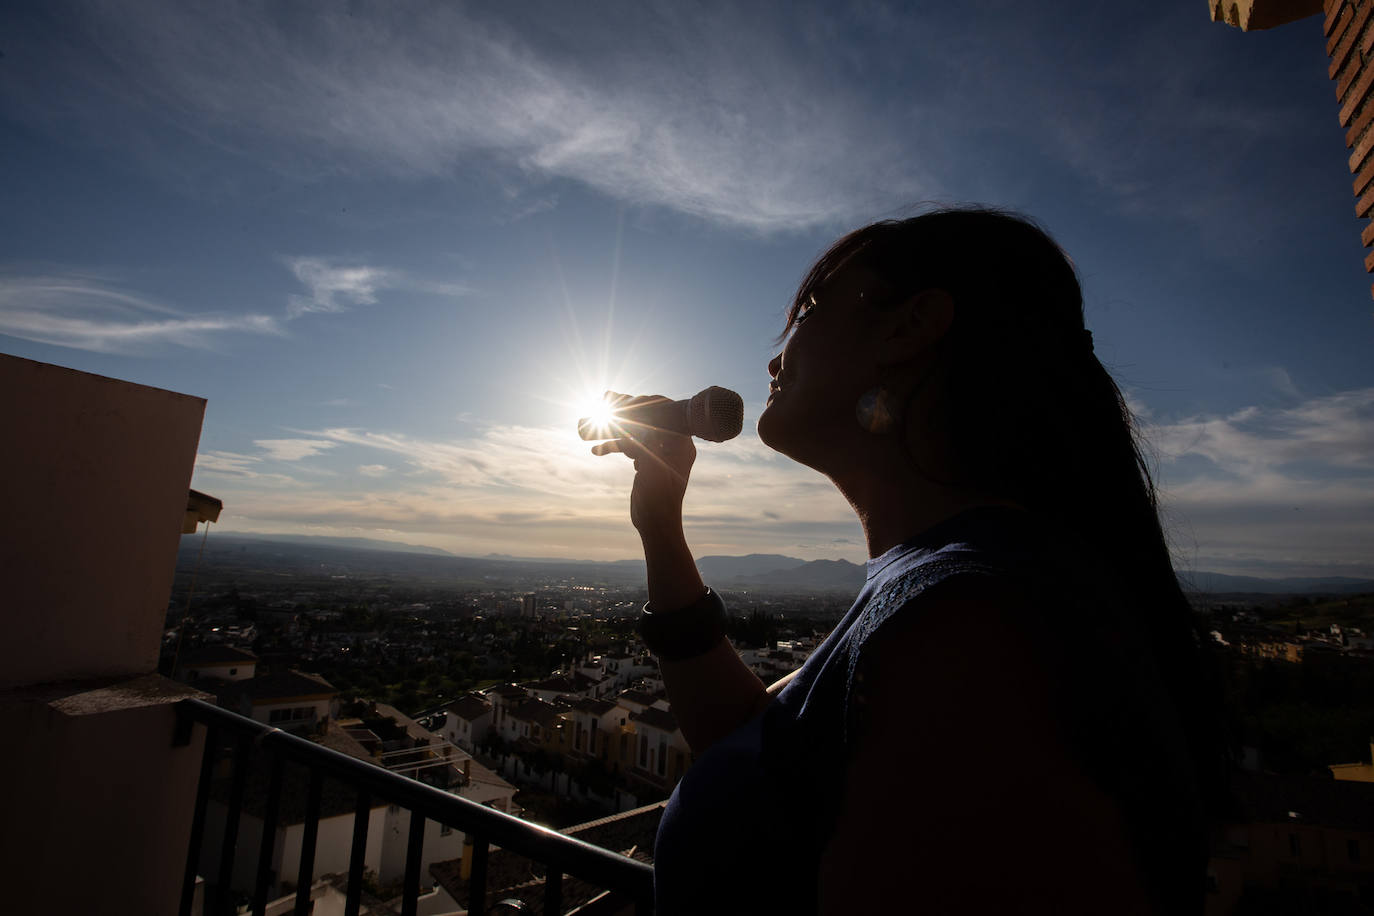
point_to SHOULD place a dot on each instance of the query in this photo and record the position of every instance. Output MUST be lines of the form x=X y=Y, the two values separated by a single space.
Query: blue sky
x=396 y=246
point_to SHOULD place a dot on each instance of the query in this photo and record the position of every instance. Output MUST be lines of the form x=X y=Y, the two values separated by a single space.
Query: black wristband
x=676 y=636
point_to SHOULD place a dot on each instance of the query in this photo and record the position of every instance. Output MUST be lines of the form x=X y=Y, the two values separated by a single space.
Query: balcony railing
x=628 y=883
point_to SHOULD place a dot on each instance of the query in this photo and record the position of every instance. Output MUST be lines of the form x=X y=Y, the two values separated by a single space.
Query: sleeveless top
x=745 y=828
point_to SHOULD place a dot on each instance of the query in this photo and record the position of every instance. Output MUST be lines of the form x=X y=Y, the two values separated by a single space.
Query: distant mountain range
x=755 y=564
x=764 y=572
x=1218 y=583
x=314 y=540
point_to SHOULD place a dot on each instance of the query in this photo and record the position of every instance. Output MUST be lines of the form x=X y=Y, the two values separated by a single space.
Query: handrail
x=561 y=853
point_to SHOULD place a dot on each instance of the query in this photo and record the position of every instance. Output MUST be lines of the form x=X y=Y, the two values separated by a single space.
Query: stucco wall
x=436 y=848
x=101 y=793
x=97 y=472
x=333 y=845
x=228 y=671
x=262 y=712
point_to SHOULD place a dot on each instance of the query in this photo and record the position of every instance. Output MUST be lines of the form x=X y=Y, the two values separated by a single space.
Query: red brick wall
x=1350 y=44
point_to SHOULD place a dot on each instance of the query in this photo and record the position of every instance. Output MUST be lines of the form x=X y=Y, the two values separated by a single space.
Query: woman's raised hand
x=663 y=462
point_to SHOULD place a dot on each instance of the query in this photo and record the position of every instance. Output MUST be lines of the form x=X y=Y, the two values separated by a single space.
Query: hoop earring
x=876 y=411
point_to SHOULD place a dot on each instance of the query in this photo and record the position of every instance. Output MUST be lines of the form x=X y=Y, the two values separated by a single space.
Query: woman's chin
x=776 y=430
x=767 y=425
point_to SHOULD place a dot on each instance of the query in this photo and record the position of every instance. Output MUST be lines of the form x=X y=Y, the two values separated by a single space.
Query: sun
x=596 y=415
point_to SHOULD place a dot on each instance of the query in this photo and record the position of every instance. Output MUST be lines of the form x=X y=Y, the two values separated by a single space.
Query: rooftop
x=287 y=685
x=470 y=707
x=215 y=655
x=656 y=718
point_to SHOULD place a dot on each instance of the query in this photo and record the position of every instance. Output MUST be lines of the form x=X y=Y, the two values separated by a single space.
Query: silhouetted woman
x=1012 y=716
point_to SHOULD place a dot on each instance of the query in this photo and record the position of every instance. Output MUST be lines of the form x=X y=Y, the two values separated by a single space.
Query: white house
x=292 y=701
x=661 y=753
x=528 y=719
x=469 y=718
x=502 y=697
x=454 y=769
x=624 y=670
x=220 y=663
x=638 y=700
x=594 y=722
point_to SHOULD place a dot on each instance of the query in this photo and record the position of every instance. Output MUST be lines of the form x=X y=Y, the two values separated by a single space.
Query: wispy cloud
x=764 y=115
x=1267 y=491
x=91 y=314
x=520 y=486
x=292 y=449
x=240 y=470
x=1331 y=437
x=1288 y=489
x=227 y=464
x=737 y=124
x=332 y=288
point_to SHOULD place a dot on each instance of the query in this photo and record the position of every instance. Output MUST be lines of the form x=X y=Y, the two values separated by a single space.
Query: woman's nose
x=775 y=365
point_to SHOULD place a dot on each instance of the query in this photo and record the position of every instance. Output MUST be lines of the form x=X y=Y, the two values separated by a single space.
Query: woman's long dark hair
x=1033 y=417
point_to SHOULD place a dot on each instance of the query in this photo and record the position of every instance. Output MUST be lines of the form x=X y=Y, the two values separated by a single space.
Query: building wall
x=439 y=846
x=1355 y=772
x=94 y=787
x=333 y=845
x=97 y=474
x=1349 y=31
x=465 y=734
x=661 y=756
x=1322 y=853
x=229 y=671
x=320 y=709
x=93 y=513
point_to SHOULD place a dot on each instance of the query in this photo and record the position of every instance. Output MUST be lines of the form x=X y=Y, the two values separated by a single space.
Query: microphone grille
x=716 y=414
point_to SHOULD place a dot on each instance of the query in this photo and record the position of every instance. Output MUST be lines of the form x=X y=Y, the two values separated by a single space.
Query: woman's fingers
x=625 y=445
x=666 y=449
x=618 y=426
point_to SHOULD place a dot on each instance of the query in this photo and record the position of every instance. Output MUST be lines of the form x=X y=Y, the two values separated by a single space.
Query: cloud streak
x=737 y=125
x=538 y=490
x=89 y=314
x=1262 y=491
x=331 y=288
x=1288 y=489
x=336 y=287
x=292 y=449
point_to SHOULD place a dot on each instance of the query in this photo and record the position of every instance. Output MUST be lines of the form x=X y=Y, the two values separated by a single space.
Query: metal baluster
x=231 y=823
x=269 y=838
x=306 y=876
x=207 y=772
x=414 y=848
x=358 y=854
x=560 y=858
x=553 y=890
x=477 y=883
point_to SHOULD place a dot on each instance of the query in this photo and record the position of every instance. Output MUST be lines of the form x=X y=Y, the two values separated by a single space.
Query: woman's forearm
x=673 y=579
x=714 y=693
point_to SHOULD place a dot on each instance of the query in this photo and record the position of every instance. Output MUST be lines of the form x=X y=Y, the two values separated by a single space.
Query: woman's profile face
x=826 y=362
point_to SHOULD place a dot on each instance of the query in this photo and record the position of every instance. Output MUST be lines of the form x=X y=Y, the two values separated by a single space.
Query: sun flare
x=596 y=413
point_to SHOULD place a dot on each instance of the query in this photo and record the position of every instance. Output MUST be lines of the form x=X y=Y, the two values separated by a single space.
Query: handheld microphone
x=714 y=414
